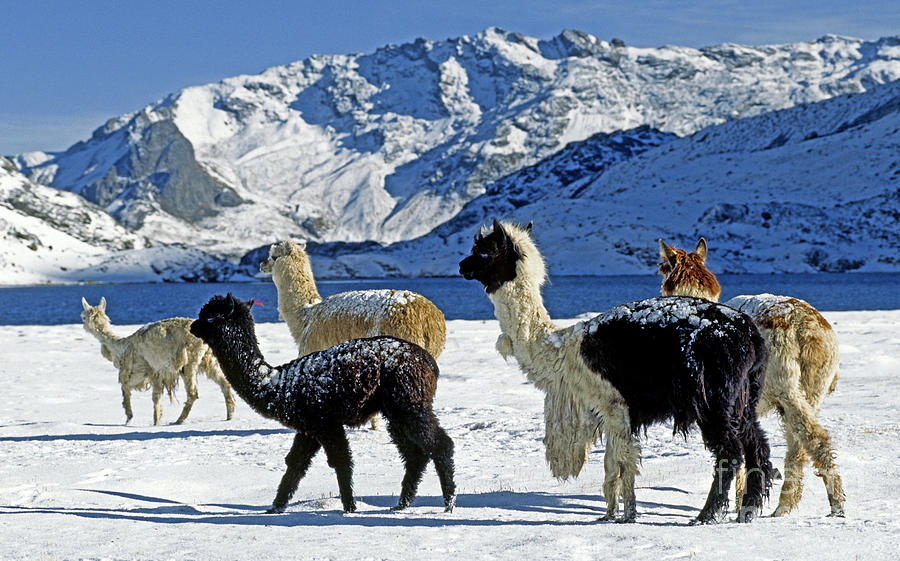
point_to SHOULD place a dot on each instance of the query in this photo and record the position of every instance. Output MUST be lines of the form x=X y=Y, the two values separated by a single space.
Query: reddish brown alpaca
x=802 y=370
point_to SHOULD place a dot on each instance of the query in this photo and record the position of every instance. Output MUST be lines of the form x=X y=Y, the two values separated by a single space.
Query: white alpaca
x=636 y=365
x=155 y=356
x=802 y=369
x=318 y=324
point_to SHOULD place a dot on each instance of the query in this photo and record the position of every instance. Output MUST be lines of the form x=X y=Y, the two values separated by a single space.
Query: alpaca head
x=685 y=274
x=283 y=249
x=94 y=317
x=501 y=254
x=220 y=313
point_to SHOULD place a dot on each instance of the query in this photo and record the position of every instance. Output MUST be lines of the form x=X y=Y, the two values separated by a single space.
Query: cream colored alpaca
x=802 y=370
x=317 y=324
x=155 y=356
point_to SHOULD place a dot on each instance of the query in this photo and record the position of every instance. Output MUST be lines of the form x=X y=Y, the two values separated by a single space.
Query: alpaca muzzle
x=467 y=268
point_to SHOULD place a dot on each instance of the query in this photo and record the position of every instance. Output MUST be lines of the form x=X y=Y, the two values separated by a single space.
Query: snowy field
x=76 y=483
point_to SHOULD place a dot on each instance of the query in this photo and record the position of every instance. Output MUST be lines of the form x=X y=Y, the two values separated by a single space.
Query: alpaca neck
x=296 y=292
x=519 y=307
x=103 y=333
x=295 y=280
x=245 y=368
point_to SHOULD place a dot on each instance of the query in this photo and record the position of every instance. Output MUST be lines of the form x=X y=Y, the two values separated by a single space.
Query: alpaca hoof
x=402 y=505
x=747 y=514
x=350 y=508
x=275 y=510
x=450 y=504
x=608 y=517
x=707 y=518
x=778 y=512
x=837 y=513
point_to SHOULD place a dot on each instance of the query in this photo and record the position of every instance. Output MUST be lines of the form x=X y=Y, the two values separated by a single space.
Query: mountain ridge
x=389 y=146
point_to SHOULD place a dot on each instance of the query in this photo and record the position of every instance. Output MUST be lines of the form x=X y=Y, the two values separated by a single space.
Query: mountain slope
x=812 y=188
x=386 y=146
x=47 y=234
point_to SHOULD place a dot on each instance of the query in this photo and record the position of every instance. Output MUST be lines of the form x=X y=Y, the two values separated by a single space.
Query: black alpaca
x=677 y=358
x=321 y=392
x=692 y=361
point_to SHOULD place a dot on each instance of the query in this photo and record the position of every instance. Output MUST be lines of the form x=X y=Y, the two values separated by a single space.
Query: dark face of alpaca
x=493 y=260
x=215 y=313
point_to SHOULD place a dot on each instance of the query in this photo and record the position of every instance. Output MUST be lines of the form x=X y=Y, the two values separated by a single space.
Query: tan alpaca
x=155 y=356
x=802 y=369
x=318 y=324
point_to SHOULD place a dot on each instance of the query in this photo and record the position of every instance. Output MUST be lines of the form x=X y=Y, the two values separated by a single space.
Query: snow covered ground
x=75 y=483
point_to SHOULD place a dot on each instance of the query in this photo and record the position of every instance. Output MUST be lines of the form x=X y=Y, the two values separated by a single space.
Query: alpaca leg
x=297 y=460
x=414 y=459
x=229 y=399
x=610 y=485
x=157 y=406
x=126 y=403
x=816 y=442
x=794 y=462
x=428 y=440
x=758 y=468
x=190 y=385
x=620 y=463
x=337 y=449
x=442 y=454
x=726 y=446
x=740 y=482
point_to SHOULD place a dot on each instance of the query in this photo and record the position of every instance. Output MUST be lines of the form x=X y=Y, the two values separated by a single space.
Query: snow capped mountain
x=50 y=234
x=389 y=145
x=812 y=188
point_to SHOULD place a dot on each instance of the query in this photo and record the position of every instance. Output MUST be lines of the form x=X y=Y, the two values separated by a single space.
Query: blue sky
x=69 y=65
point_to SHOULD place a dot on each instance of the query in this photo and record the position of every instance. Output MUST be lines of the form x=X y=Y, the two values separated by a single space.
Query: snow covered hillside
x=47 y=234
x=810 y=188
x=388 y=145
x=76 y=483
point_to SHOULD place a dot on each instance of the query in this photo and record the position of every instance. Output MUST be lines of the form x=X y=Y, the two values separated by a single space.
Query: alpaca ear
x=666 y=253
x=499 y=229
x=301 y=245
x=229 y=300
x=528 y=227
x=84 y=304
x=102 y=304
x=701 y=250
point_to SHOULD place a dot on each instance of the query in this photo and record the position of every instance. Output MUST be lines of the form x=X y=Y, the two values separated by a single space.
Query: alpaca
x=802 y=370
x=319 y=393
x=318 y=324
x=636 y=365
x=156 y=355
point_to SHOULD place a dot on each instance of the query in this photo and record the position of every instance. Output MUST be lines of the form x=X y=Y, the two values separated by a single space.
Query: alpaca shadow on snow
x=143 y=435
x=167 y=511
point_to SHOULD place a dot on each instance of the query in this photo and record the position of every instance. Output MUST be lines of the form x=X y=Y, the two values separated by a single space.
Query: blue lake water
x=565 y=297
